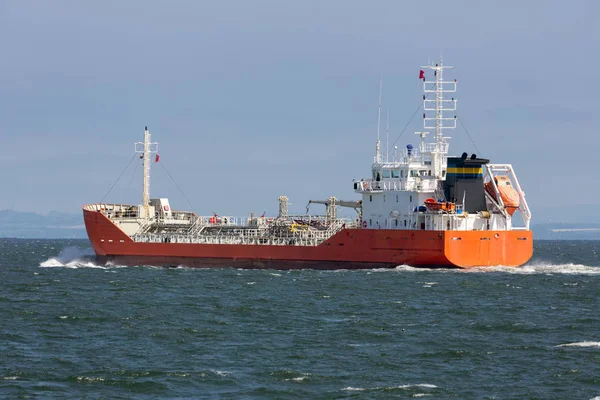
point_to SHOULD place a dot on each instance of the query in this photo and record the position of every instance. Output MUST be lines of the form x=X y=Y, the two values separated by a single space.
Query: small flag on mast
x=422 y=75
x=157 y=158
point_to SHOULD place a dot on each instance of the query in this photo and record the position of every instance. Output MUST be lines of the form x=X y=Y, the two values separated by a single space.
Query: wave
x=528 y=269
x=391 y=388
x=580 y=344
x=548 y=269
x=73 y=257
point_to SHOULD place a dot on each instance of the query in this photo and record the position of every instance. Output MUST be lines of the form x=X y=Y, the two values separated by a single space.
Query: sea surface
x=70 y=328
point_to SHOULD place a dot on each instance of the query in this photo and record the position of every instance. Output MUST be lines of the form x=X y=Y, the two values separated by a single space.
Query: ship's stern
x=470 y=249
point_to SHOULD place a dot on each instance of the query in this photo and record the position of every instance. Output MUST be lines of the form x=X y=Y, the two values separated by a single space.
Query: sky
x=251 y=100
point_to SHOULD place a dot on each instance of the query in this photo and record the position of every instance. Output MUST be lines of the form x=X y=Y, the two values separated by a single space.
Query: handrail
x=401 y=184
x=283 y=235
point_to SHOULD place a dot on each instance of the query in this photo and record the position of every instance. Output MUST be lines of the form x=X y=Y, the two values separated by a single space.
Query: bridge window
x=370 y=197
x=411 y=198
x=370 y=222
x=395 y=173
x=396 y=222
x=386 y=173
x=396 y=198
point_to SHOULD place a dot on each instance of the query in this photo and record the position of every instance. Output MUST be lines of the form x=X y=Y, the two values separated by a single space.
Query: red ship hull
x=347 y=249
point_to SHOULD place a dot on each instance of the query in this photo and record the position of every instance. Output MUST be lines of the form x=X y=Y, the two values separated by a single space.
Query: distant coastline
x=29 y=225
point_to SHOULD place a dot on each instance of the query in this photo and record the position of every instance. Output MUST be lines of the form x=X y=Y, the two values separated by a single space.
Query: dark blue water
x=73 y=329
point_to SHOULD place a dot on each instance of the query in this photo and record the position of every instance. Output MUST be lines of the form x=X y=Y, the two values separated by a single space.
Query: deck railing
x=278 y=235
x=415 y=184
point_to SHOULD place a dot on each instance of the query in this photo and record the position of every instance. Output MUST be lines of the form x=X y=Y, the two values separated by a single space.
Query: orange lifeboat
x=434 y=205
x=508 y=194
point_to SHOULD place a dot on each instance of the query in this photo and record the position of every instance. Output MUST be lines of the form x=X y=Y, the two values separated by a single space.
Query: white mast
x=377 y=152
x=146 y=148
x=387 y=139
x=439 y=87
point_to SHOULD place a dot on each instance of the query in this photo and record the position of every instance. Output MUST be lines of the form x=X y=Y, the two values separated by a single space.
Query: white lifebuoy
x=364 y=224
x=497 y=235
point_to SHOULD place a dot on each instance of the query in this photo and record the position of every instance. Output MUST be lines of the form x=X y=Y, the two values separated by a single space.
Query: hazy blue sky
x=253 y=99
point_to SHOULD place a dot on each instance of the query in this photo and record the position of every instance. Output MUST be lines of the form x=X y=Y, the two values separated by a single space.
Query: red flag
x=157 y=158
x=422 y=74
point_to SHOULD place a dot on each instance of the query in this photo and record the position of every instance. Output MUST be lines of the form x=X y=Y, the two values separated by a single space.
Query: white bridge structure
x=393 y=196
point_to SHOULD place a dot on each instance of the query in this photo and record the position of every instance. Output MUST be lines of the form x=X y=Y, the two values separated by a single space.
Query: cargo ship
x=418 y=206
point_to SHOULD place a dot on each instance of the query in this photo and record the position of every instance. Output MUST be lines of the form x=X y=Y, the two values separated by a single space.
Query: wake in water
x=76 y=257
x=73 y=257
x=531 y=269
x=549 y=269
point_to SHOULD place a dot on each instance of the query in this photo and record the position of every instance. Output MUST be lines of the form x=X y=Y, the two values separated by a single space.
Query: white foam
x=408 y=268
x=580 y=344
x=302 y=378
x=528 y=269
x=545 y=269
x=417 y=385
x=72 y=257
x=89 y=379
x=421 y=385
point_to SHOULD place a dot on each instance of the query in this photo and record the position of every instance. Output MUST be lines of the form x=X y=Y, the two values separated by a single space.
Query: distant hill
x=55 y=225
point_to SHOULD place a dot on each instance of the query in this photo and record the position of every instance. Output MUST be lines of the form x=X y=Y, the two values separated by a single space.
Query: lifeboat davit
x=434 y=205
x=508 y=194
